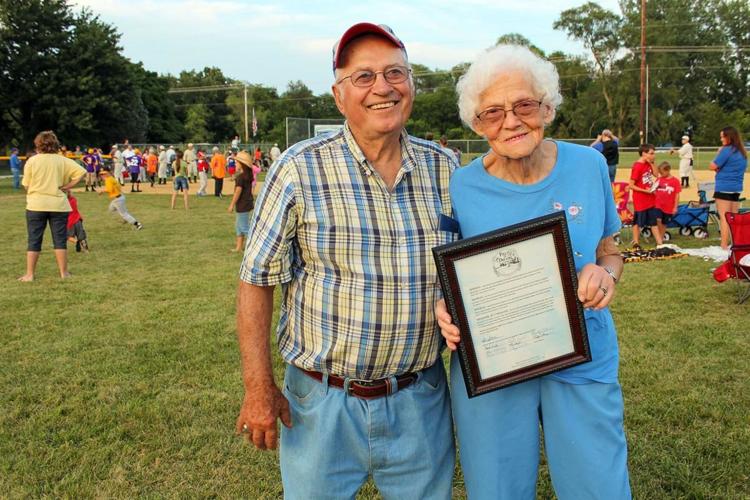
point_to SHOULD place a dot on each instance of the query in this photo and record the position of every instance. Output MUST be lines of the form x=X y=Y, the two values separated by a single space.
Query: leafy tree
x=62 y=70
x=519 y=39
x=217 y=114
x=32 y=34
x=599 y=31
x=196 y=123
x=163 y=124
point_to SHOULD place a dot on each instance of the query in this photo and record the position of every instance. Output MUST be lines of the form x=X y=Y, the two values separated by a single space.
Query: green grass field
x=124 y=381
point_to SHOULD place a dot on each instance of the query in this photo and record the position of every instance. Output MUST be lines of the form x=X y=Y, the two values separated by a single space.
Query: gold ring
x=604 y=290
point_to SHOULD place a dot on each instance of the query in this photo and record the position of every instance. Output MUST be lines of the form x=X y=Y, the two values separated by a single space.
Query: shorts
x=242 y=223
x=646 y=218
x=77 y=230
x=134 y=177
x=181 y=184
x=36 y=223
x=721 y=195
x=665 y=217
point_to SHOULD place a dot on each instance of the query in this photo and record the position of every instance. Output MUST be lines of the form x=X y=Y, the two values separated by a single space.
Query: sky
x=275 y=42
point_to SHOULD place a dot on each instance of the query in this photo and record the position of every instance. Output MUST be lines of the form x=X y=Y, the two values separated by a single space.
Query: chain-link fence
x=299 y=129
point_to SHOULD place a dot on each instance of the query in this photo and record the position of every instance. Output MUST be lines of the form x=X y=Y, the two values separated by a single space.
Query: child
x=667 y=196
x=152 y=162
x=180 y=169
x=643 y=184
x=133 y=164
x=242 y=201
x=89 y=162
x=203 y=168
x=75 y=225
x=117 y=199
x=231 y=164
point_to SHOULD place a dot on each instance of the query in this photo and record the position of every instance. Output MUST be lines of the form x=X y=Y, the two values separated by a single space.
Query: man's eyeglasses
x=522 y=109
x=366 y=78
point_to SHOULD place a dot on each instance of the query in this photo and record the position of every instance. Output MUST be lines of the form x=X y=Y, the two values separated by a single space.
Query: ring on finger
x=604 y=290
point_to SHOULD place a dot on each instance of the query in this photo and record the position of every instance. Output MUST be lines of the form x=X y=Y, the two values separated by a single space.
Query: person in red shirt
x=667 y=196
x=76 y=232
x=642 y=185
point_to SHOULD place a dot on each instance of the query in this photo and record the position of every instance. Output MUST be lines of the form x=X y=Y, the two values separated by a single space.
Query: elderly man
x=345 y=224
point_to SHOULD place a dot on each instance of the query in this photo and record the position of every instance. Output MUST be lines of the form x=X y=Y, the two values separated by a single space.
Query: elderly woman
x=508 y=96
x=46 y=177
x=730 y=165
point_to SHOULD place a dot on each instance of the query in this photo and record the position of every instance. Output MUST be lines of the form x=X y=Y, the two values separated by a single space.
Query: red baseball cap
x=364 y=29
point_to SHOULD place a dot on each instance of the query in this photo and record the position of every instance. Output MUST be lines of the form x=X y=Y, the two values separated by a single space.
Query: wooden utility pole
x=247 y=139
x=643 y=72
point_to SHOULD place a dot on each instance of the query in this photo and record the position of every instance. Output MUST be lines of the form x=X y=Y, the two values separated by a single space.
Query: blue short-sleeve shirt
x=579 y=185
x=731 y=173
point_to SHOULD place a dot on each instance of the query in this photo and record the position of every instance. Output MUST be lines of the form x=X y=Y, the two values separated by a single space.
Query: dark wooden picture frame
x=445 y=259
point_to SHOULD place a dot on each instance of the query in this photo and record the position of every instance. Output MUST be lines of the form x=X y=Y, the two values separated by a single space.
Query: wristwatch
x=611 y=273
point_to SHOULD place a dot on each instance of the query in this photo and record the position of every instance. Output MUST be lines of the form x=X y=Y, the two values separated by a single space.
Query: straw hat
x=244 y=158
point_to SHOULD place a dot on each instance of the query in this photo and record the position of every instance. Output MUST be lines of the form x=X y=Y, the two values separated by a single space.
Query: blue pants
x=499 y=433
x=404 y=440
x=36 y=223
x=612 y=170
x=16 y=177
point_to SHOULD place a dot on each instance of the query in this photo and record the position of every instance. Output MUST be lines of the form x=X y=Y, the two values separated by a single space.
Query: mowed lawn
x=124 y=381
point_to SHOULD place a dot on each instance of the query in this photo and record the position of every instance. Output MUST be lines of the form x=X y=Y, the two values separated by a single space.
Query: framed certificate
x=512 y=293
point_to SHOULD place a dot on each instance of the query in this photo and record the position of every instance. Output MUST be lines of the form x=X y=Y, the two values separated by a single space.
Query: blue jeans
x=36 y=223
x=612 y=172
x=404 y=440
x=499 y=434
x=242 y=223
x=16 y=178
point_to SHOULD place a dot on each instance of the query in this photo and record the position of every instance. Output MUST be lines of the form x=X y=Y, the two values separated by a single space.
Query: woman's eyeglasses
x=522 y=109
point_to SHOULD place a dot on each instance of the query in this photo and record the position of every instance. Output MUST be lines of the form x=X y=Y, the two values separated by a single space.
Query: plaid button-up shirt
x=354 y=259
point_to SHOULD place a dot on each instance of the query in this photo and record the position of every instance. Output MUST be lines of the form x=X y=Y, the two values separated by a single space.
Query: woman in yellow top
x=46 y=177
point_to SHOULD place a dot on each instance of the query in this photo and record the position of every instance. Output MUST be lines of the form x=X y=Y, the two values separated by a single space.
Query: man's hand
x=260 y=409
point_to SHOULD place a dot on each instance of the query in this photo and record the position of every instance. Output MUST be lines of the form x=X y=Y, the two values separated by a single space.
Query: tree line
x=63 y=69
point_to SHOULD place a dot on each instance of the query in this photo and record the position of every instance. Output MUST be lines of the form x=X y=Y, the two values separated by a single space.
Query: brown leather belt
x=366 y=389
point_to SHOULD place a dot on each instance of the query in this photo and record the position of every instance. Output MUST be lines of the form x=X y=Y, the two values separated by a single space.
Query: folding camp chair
x=706 y=199
x=739 y=226
x=622 y=197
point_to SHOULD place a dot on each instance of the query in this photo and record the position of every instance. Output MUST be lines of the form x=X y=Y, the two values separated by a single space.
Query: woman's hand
x=595 y=287
x=448 y=330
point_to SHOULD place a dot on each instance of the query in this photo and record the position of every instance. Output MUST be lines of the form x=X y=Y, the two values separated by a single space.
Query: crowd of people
x=52 y=171
x=346 y=224
x=656 y=192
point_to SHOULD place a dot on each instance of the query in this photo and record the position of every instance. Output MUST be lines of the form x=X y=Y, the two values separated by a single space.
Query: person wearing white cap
x=686 y=161
x=192 y=163
x=119 y=164
x=163 y=161
x=274 y=153
x=345 y=223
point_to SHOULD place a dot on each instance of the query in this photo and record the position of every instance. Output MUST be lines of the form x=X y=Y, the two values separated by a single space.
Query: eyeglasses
x=366 y=78
x=522 y=109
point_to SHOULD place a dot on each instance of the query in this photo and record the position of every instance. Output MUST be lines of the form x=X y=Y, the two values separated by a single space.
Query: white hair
x=499 y=60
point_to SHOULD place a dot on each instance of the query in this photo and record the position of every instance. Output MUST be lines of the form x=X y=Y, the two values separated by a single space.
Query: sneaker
x=138 y=226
